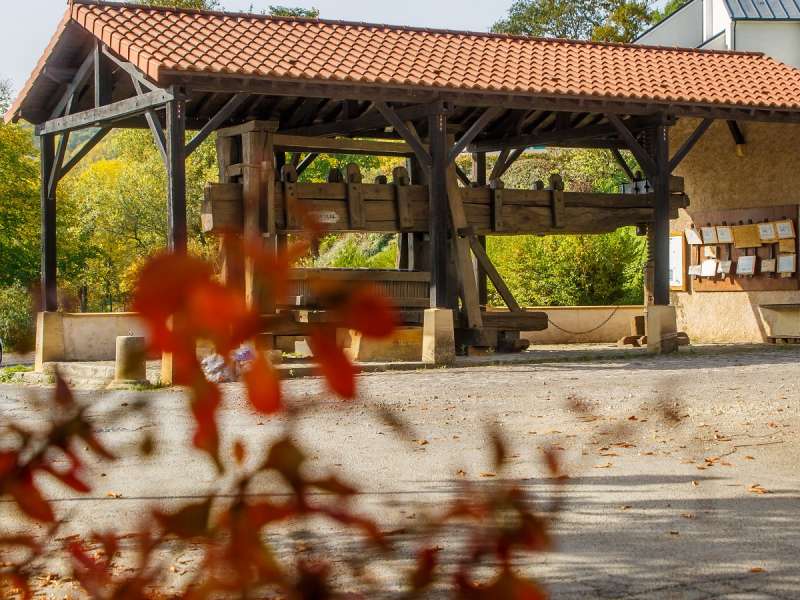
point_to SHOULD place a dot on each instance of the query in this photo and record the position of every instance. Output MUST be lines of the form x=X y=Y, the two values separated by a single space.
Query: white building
x=768 y=26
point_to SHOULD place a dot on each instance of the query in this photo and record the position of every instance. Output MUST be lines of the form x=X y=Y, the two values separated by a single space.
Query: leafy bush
x=16 y=320
x=571 y=270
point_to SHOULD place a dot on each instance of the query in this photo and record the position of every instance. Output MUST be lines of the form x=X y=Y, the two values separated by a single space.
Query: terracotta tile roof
x=160 y=41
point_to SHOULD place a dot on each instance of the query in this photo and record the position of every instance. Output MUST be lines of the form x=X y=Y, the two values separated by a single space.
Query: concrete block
x=662 y=329
x=404 y=345
x=131 y=360
x=438 y=337
x=49 y=339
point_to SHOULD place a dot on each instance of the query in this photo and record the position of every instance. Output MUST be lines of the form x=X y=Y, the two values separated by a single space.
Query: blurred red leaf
x=423 y=574
x=205 y=402
x=337 y=369
x=239 y=451
x=263 y=386
x=370 y=312
x=22 y=488
x=190 y=521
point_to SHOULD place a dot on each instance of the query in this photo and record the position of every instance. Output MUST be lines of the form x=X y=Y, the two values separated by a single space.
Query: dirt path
x=663 y=457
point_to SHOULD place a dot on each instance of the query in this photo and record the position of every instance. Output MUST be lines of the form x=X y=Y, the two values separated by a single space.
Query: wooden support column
x=662 y=209
x=48 y=208
x=176 y=175
x=478 y=177
x=441 y=295
x=231 y=259
x=419 y=251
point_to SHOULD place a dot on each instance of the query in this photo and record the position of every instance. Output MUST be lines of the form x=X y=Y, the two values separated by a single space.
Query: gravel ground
x=663 y=458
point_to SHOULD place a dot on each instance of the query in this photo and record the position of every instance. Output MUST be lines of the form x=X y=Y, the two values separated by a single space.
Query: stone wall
x=716 y=178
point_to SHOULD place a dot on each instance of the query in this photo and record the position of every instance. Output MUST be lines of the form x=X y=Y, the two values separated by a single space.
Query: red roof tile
x=161 y=41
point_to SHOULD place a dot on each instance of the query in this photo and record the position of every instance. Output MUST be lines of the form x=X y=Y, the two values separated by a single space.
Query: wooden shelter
x=279 y=91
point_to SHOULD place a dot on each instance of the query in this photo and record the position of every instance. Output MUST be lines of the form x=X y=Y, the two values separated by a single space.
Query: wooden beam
x=462 y=176
x=736 y=133
x=479 y=177
x=84 y=150
x=689 y=143
x=498 y=165
x=373 y=120
x=58 y=162
x=306 y=162
x=660 y=226
x=477 y=127
x=103 y=80
x=623 y=164
x=642 y=157
x=132 y=71
x=403 y=131
x=176 y=175
x=80 y=80
x=486 y=265
x=296 y=143
x=105 y=115
x=510 y=160
x=224 y=113
x=466 y=272
x=48 y=215
x=438 y=221
x=154 y=123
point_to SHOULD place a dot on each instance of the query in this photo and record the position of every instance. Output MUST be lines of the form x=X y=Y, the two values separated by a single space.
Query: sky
x=27 y=25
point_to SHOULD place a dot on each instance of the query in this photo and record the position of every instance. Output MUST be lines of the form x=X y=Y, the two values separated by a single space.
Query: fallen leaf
x=688 y=515
x=674 y=532
x=488 y=474
x=421 y=442
x=695 y=483
x=758 y=570
x=605 y=466
x=633 y=418
x=758 y=489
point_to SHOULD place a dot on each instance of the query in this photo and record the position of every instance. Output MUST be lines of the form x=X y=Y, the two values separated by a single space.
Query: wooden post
x=441 y=295
x=661 y=222
x=253 y=191
x=478 y=177
x=232 y=266
x=176 y=175
x=419 y=248
x=48 y=207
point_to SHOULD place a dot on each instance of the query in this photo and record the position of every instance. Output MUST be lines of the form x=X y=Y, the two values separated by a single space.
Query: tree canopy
x=601 y=20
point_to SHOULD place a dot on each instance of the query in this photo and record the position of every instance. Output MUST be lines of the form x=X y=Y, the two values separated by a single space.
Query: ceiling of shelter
x=287 y=67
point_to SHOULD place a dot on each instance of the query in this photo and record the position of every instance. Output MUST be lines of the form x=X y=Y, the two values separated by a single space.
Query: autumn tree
x=607 y=20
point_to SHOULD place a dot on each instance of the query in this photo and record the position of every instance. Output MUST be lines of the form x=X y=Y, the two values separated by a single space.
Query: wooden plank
x=520 y=321
x=296 y=143
x=253 y=196
x=497 y=196
x=466 y=273
x=480 y=253
x=176 y=174
x=105 y=115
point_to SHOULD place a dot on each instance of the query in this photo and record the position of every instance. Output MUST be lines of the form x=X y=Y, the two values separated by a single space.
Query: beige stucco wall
x=83 y=336
x=584 y=318
x=716 y=178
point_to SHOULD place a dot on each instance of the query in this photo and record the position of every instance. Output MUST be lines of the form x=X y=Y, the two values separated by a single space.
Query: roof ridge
x=433 y=30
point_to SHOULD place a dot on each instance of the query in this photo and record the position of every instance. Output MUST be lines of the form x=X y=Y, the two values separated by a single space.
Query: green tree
x=19 y=201
x=286 y=11
x=606 y=20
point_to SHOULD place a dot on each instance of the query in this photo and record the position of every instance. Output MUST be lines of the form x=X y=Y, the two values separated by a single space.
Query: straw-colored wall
x=716 y=178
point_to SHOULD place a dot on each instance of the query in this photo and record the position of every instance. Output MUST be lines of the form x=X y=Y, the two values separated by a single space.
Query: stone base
x=130 y=363
x=404 y=345
x=438 y=337
x=49 y=339
x=662 y=329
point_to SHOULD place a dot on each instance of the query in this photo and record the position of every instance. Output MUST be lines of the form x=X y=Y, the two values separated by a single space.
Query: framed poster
x=693 y=237
x=724 y=267
x=787 y=263
x=766 y=232
x=785 y=230
x=709 y=235
x=746 y=265
x=787 y=246
x=708 y=268
x=746 y=236
x=677 y=262
x=724 y=234
x=768 y=265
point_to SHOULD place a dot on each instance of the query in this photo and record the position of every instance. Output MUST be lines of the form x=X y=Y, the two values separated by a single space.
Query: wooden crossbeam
x=306 y=162
x=642 y=157
x=81 y=78
x=103 y=81
x=105 y=115
x=218 y=119
x=295 y=143
x=510 y=160
x=498 y=165
x=488 y=267
x=422 y=154
x=154 y=123
x=372 y=120
x=84 y=150
x=623 y=164
x=132 y=71
x=463 y=176
x=469 y=136
x=689 y=143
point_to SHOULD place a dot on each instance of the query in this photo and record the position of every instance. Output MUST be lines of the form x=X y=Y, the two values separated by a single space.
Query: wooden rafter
x=623 y=164
x=96 y=138
x=224 y=113
x=689 y=143
x=642 y=157
x=475 y=129
x=402 y=129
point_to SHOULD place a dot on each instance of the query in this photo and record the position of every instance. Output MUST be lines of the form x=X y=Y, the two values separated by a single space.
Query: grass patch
x=9 y=374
